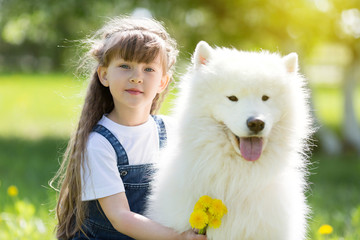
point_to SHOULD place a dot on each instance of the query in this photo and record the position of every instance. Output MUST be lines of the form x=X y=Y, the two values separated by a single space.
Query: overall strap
x=161 y=130
x=121 y=155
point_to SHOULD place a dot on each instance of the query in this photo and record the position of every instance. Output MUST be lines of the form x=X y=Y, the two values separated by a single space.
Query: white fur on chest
x=262 y=203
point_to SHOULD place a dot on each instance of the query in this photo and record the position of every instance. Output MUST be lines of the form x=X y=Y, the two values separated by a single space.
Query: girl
x=104 y=177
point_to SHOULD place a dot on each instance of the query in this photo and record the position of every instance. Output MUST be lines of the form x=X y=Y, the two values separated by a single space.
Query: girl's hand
x=191 y=235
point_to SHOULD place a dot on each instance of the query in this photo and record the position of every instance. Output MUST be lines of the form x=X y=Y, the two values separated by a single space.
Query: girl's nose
x=136 y=80
x=136 y=76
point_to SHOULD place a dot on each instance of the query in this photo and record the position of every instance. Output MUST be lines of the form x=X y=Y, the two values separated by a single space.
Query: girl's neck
x=130 y=117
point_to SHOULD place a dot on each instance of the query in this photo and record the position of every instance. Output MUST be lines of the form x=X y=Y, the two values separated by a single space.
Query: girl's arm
x=116 y=209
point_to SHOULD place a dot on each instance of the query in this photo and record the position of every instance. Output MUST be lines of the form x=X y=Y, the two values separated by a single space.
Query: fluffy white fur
x=265 y=198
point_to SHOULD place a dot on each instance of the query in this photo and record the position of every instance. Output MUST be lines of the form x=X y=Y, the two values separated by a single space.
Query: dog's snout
x=255 y=124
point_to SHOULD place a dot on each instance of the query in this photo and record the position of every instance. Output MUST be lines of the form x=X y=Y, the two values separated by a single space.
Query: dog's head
x=254 y=95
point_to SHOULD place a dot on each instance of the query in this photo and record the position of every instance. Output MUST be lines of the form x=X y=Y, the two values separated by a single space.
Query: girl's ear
x=202 y=54
x=102 y=73
x=164 y=82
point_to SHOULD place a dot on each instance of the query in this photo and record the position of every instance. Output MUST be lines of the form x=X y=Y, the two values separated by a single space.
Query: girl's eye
x=125 y=66
x=233 y=98
x=149 y=70
x=265 y=98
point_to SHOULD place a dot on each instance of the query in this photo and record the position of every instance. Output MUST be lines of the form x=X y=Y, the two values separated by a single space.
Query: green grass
x=334 y=195
x=39 y=105
x=38 y=113
x=28 y=165
x=35 y=106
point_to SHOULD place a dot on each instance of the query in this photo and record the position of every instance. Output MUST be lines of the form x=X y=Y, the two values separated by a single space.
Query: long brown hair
x=139 y=40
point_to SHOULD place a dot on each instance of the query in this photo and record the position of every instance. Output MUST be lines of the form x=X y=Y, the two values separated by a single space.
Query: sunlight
x=350 y=22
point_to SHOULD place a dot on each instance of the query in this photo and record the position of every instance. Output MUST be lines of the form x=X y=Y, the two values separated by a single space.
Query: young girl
x=104 y=177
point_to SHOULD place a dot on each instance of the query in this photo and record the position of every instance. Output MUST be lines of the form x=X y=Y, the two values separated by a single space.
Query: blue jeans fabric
x=136 y=179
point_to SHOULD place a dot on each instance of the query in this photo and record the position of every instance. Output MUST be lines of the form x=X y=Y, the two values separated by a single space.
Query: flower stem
x=202 y=231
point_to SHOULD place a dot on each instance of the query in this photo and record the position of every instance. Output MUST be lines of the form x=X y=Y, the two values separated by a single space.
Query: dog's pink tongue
x=251 y=148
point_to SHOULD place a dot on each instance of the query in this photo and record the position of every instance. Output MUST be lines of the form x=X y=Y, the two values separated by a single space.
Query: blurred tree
x=350 y=23
x=34 y=33
x=342 y=20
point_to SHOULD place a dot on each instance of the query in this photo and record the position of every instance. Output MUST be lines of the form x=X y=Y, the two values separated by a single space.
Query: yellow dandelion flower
x=207 y=212
x=325 y=229
x=203 y=203
x=198 y=219
x=12 y=191
x=199 y=207
x=217 y=208
x=214 y=222
x=206 y=201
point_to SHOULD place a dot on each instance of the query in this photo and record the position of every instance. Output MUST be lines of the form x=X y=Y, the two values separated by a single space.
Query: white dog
x=244 y=122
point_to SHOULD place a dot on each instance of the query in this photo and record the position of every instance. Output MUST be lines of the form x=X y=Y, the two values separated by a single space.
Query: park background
x=41 y=96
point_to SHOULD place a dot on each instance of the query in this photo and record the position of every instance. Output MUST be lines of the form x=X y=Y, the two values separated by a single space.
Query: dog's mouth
x=249 y=148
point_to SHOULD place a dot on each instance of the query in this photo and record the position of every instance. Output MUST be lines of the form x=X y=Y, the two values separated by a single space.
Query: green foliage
x=30 y=32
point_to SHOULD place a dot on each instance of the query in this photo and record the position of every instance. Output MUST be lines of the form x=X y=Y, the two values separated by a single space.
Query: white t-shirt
x=100 y=176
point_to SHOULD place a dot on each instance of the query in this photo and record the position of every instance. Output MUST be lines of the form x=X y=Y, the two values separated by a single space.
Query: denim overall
x=136 y=179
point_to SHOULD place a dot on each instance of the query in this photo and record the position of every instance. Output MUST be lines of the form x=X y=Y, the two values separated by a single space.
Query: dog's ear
x=202 y=54
x=291 y=62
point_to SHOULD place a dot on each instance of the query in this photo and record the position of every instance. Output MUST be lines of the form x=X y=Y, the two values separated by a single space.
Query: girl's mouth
x=133 y=91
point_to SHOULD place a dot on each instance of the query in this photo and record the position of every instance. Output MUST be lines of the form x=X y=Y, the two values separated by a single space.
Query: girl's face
x=133 y=85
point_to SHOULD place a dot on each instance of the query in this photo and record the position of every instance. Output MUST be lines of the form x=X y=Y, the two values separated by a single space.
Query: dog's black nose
x=255 y=124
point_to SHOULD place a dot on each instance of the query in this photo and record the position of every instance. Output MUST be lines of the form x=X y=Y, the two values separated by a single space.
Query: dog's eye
x=233 y=98
x=265 y=98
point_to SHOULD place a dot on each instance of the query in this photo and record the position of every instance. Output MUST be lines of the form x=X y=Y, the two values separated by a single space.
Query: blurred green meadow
x=39 y=111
